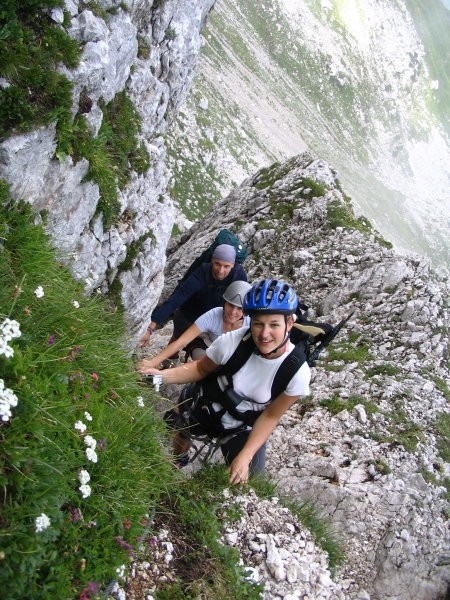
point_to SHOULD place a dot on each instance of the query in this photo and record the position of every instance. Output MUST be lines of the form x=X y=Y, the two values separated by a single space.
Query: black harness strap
x=288 y=368
x=240 y=356
x=285 y=372
x=283 y=376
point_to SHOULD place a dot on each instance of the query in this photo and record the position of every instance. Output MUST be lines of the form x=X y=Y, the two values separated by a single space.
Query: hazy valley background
x=364 y=85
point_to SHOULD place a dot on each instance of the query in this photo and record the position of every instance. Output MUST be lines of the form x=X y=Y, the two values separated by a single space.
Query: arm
x=183 y=292
x=263 y=427
x=148 y=332
x=195 y=282
x=187 y=373
x=192 y=332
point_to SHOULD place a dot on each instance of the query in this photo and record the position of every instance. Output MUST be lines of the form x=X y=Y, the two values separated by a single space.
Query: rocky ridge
x=368 y=453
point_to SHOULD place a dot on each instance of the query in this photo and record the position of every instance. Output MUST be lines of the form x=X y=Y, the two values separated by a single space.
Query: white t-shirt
x=254 y=380
x=211 y=323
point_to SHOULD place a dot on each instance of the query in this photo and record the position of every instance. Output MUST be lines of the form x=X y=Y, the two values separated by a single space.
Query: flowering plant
x=77 y=456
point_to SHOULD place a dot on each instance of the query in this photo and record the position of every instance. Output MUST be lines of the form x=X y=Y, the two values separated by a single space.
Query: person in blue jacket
x=200 y=292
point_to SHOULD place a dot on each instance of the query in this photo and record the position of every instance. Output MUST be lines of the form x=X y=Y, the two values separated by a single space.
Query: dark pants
x=180 y=324
x=232 y=448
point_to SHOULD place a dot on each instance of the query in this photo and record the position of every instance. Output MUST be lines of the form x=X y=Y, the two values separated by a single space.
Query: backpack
x=196 y=410
x=223 y=237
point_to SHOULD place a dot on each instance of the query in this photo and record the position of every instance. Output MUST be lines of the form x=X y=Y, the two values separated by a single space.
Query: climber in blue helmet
x=241 y=409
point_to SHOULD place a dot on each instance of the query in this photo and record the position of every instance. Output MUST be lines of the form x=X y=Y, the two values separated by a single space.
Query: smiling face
x=269 y=331
x=231 y=313
x=220 y=268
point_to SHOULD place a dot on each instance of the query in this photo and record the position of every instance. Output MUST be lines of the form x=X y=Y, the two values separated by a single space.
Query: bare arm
x=192 y=332
x=263 y=427
x=191 y=371
x=148 y=332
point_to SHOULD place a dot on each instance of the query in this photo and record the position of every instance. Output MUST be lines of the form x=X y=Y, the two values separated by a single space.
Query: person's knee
x=258 y=464
x=198 y=353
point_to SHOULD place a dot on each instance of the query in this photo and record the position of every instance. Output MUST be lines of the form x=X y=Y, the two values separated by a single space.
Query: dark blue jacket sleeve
x=194 y=283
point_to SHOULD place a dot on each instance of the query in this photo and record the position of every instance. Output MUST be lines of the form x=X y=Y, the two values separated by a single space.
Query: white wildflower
x=121 y=571
x=8 y=400
x=80 y=426
x=89 y=441
x=39 y=291
x=42 y=522
x=10 y=329
x=87 y=416
x=140 y=401
x=91 y=455
x=84 y=476
x=5 y=348
x=85 y=490
x=76 y=304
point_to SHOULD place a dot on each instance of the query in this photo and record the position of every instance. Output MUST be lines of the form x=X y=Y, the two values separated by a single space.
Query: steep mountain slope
x=371 y=450
x=352 y=81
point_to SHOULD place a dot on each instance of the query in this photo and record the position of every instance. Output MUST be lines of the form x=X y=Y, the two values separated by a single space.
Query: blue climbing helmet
x=270 y=296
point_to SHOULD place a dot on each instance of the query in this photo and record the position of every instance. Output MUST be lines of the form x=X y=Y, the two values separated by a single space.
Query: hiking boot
x=181 y=460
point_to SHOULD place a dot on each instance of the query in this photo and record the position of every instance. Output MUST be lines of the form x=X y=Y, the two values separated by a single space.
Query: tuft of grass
x=442 y=427
x=386 y=369
x=31 y=47
x=402 y=431
x=317 y=189
x=321 y=530
x=208 y=569
x=349 y=353
x=69 y=364
x=112 y=155
x=335 y=404
x=442 y=386
x=340 y=214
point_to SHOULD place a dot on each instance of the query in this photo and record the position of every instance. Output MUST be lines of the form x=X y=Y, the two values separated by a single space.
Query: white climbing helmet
x=235 y=292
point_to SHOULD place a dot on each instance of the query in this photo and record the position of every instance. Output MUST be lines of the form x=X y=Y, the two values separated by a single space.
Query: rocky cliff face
x=371 y=451
x=157 y=82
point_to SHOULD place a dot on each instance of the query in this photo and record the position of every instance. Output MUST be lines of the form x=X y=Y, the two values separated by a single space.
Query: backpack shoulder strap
x=240 y=356
x=285 y=372
x=288 y=369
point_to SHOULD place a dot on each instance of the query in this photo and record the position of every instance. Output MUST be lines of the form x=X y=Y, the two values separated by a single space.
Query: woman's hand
x=145 y=367
x=145 y=339
x=239 y=469
x=150 y=363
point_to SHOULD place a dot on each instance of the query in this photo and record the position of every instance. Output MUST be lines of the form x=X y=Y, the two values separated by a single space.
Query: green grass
x=321 y=530
x=349 y=353
x=208 y=569
x=112 y=155
x=386 y=369
x=402 y=431
x=68 y=360
x=442 y=427
x=336 y=404
x=31 y=46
